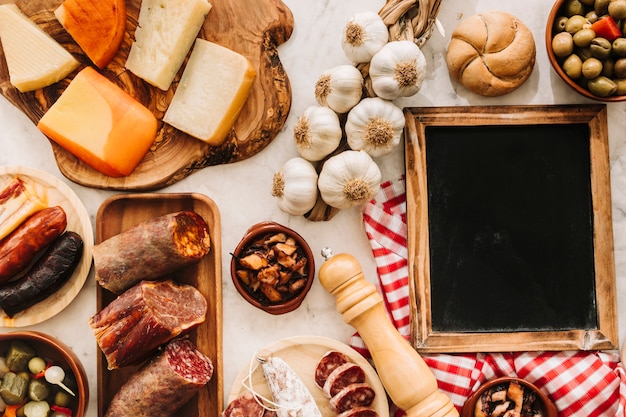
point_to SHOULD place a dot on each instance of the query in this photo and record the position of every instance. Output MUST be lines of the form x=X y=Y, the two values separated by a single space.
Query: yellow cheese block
x=213 y=89
x=165 y=33
x=100 y=124
x=34 y=59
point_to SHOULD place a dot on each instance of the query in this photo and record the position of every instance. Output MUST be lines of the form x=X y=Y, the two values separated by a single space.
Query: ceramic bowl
x=555 y=13
x=252 y=238
x=542 y=400
x=56 y=352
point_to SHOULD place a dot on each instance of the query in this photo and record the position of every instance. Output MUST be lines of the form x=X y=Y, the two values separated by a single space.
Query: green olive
x=592 y=68
x=621 y=86
x=575 y=23
x=617 y=9
x=608 y=68
x=600 y=48
x=583 y=37
x=559 y=24
x=574 y=7
x=562 y=44
x=619 y=47
x=591 y=16
x=602 y=86
x=573 y=66
x=601 y=7
x=619 y=68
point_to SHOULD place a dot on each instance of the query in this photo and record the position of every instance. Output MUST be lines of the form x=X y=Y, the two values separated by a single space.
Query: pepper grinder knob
x=404 y=374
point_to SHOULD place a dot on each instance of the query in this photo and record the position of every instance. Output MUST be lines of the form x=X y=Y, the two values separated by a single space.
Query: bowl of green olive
x=586 y=45
x=40 y=376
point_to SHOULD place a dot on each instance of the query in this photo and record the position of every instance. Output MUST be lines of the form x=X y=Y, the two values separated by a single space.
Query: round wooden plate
x=78 y=221
x=302 y=353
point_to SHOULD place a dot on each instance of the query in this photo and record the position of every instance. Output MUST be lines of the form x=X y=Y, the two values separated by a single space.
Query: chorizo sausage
x=352 y=396
x=18 y=200
x=46 y=276
x=20 y=247
x=331 y=360
x=359 y=412
x=244 y=406
x=164 y=384
x=150 y=250
x=148 y=315
x=341 y=377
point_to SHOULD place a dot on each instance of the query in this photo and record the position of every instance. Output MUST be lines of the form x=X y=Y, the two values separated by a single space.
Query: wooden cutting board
x=255 y=32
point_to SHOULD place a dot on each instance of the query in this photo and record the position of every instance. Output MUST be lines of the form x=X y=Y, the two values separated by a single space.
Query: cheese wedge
x=97 y=26
x=34 y=59
x=100 y=124
x=212 y=91
x=165 y=33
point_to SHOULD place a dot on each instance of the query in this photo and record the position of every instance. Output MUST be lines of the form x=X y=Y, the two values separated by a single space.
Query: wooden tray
x=174 y=154
x=78 y=221
x=302 y=353
x=119 y=213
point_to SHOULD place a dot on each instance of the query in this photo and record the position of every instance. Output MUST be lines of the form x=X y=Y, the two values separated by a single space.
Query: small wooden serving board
x=255 y=32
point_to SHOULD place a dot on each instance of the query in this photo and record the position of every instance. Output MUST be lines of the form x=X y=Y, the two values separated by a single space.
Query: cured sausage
x=151 y=250
x=19 y=248
x=352 y=396
x=164 y=384
x=46 y=276
x=331 y=360
x=18 y=200
x=131 y=327
x=359 y=412
x=344 y=375
x=244 y=406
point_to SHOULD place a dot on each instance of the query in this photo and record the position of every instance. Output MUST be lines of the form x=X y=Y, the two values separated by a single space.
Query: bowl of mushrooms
x=506 y=396
x=273 y=267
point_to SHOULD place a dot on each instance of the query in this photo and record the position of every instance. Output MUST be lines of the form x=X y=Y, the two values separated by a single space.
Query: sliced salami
x=164 y=384
x=148 y=315
x=244 y=406
x=344 y=375
x=151 y=250
x=328 y=363
x=359 y=412
x=352 y=396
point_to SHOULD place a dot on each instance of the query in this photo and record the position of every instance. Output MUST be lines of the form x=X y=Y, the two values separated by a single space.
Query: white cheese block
x=211 y=93
x=165 y=33
x=34 y=59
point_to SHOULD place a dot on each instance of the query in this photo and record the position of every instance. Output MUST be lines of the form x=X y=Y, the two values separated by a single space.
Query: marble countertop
x=313 y=48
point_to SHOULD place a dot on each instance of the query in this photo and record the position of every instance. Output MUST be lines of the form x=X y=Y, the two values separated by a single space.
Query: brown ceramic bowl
x=542 y=400
x=555 y=13
x=252 y=238
x=51 y=349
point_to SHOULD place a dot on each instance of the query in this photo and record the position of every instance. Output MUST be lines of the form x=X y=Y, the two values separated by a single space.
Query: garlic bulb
x=364 y=34
x=374 y=126
x=339 y=88
x=295 y=184
x=398 y=70
x=349 y=179
x=317 y=133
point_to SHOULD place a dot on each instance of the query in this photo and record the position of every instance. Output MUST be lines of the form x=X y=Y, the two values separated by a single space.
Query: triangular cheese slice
x=34 y=59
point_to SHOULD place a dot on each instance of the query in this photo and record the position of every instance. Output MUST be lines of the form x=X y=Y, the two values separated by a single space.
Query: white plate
x=58 y=194
x=303 y=353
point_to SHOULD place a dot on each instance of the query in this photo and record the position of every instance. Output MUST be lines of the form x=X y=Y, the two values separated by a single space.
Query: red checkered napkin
x=581 y=384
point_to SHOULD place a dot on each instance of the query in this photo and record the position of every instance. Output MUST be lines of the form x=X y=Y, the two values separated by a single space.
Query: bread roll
x=491 y=53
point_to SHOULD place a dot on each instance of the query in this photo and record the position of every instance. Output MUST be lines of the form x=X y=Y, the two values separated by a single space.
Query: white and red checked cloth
x=581 y=384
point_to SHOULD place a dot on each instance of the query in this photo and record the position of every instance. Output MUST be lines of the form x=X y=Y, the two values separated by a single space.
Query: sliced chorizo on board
x=244 y=406
x=327 y=364
x=151 y=313
x=164 y=384
x=151 y=250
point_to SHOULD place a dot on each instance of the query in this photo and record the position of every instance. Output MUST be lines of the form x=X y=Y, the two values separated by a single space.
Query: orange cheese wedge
x=97 y=26
x=100 y=124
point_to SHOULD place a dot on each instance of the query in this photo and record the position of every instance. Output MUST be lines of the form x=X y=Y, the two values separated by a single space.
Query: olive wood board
x=255 y=32
x=58 y=194
x=302 y=353
x=121 y=212
x=550 y=160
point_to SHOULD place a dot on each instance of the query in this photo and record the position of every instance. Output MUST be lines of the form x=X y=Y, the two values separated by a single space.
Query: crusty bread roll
x=491 y=53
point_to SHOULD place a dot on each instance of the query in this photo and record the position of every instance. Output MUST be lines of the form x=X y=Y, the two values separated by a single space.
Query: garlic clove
x=317 y=133
x=339 y=88
x=364 y=34
x=295 y=186
x=398 y=70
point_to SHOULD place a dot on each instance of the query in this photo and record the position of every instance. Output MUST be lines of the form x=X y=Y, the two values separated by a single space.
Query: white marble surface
x=313 y=48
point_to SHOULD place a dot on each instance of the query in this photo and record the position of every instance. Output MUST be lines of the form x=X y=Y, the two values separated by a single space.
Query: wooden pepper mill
x=404 y=374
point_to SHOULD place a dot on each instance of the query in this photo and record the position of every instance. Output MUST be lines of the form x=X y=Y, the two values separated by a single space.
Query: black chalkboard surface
x=509 y=228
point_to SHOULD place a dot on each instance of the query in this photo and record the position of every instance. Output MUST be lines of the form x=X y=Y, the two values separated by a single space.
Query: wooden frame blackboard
x=510 y=231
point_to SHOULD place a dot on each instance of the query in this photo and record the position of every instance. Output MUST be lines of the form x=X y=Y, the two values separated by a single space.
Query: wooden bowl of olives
x=586 y=46
x=40 y=374
x=273 y=267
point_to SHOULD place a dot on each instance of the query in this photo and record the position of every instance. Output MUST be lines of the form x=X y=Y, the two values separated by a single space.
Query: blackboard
x=505 y=205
